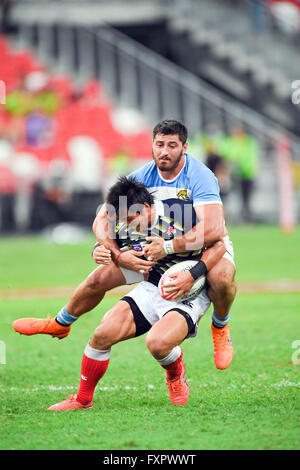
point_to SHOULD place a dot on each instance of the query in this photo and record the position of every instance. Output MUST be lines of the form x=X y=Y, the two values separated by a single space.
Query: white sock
x=97 y=354
x=171 y=357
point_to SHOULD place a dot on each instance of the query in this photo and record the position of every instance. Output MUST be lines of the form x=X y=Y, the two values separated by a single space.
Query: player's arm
x=102 y=228
x=183 y=281
x=208 y=230
x=101 y=255
x=211 y=257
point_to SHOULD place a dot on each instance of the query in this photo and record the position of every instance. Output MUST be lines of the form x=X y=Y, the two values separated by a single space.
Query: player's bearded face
x=168 y=152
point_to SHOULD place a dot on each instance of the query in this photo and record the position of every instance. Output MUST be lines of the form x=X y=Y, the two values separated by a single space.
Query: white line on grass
x=55 y=388
x=286 y=383
x=38 y=388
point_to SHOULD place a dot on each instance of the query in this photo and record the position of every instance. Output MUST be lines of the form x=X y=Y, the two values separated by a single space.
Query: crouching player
x=143 y=310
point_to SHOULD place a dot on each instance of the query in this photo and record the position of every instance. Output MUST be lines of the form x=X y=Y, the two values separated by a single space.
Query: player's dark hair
x=135 y=193
x=171 y=127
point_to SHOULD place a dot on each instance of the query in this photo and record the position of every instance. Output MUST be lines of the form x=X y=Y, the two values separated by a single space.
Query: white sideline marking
x=286 y=383
x=56 y=388
x=38 y=388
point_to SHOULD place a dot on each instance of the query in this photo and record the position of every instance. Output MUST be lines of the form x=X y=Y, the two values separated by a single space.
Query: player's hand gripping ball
x=165 y=279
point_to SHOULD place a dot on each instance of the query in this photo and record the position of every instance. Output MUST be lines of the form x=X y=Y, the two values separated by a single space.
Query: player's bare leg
x=222 y=291
x=117 y=325
x=163 y=342
x=85 y=297
x=222 y=287
x=92 y=290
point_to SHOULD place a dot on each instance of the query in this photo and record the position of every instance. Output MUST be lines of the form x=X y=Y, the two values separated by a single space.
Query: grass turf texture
x=254 y=404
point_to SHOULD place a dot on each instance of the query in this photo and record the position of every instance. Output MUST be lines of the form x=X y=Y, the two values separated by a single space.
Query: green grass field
x=254 y=404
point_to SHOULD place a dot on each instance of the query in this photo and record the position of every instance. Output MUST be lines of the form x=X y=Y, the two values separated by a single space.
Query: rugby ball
x=165 y=279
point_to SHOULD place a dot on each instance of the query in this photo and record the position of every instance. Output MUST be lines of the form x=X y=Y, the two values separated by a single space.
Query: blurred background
x=83 y=82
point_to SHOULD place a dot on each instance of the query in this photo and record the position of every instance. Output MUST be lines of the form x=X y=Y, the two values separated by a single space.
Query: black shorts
x=142 y=324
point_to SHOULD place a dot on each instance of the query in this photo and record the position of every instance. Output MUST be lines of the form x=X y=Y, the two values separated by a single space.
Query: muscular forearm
x=209 y=259
x=209 y=229
x=198 y=237
x=112 y=245
x=103 y=233
x=213 y=254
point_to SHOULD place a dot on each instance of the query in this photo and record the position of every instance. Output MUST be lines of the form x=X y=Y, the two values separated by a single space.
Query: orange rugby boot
x=36 y=326
x=179 y=389
x=223 y=349
x=70 y=403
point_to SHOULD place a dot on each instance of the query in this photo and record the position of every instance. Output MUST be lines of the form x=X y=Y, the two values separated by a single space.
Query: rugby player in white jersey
x=172 y=173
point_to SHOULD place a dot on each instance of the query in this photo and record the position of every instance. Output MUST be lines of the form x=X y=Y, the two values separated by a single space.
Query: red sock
x=174 y=369
x=91 y=372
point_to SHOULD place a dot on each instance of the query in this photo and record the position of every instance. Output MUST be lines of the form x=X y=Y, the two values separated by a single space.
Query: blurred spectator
x=15 y=130
x=7 y=188
x=39 y=129
x=7 y=200
x=51 y=198
x=220 y=168
x=258 y=10
x=233 y=159
x=243 y=150
x=5 y=16
x=33 y=105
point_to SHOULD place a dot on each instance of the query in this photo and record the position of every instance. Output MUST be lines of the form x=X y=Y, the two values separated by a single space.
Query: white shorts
x=132 y=277
x=154 y=307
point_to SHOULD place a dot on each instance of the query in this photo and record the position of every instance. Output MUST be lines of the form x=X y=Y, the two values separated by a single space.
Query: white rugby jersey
x=173 y=219
x=195 y=182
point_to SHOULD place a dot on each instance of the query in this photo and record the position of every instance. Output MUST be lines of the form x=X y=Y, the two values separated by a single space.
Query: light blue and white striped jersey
x=195 y=182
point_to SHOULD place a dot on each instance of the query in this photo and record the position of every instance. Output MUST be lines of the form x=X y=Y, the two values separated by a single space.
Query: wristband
x=198 y=270
x=118 y=256
x=168 y=247
x=95 y=246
